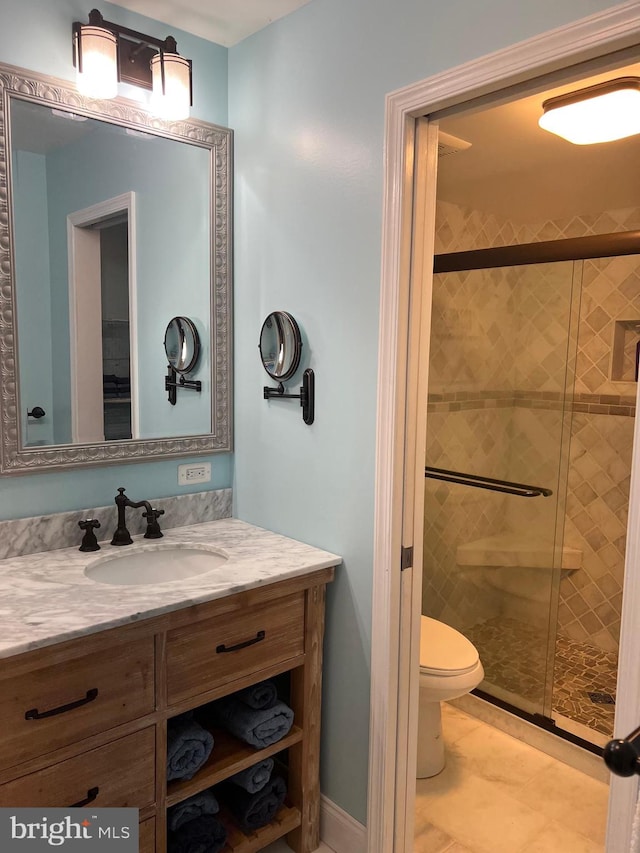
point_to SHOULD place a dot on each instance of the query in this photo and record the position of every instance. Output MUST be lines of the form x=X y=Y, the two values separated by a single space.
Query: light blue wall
x=306 y=101
x=36 y=35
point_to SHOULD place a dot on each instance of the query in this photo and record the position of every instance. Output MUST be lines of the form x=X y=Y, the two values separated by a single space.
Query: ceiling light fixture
x=105 y=53
x=599 y=113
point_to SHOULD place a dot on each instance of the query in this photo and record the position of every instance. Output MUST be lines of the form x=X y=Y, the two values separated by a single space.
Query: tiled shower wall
x=497 y=382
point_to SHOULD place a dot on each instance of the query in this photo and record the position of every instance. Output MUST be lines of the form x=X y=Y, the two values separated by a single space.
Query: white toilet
x=449 y=667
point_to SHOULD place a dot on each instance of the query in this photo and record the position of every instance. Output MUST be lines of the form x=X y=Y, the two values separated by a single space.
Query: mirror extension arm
x=171 y=386
x=306 y=395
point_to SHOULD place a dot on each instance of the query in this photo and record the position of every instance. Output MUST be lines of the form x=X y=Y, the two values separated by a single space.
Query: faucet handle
x=89 y=541
x=153 y=528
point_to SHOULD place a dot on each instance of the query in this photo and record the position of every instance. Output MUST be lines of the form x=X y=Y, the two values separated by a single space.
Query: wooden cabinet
x=118 y=774
x=61 y=703
x=85 y=722
x=147 y=836
x=218 y=649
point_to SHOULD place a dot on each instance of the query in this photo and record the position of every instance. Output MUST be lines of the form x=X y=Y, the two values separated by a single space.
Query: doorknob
x=622 y=756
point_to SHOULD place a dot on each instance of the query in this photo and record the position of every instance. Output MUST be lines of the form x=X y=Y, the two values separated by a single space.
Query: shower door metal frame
x=546 y=251
x=575 y=249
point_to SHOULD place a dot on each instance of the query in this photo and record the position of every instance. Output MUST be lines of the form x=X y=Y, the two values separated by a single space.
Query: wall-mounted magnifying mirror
x=182 y=348
x=280 y=349
x=182 y=344
x=280 y=345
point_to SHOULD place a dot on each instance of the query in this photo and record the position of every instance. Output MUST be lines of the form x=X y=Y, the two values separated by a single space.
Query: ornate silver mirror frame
x=16 y=459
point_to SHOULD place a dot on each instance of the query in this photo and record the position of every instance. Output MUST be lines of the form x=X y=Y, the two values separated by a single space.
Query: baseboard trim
x=339 y=831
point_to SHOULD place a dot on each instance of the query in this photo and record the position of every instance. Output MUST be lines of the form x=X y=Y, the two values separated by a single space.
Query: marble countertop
x=46 y=598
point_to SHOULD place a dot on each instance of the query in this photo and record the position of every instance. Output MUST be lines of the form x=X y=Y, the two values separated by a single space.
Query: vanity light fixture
x=600 y=113
x=95 y=56
x=105 y=53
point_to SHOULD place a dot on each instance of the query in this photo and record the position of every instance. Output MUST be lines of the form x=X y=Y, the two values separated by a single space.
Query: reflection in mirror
x=280 y=345
x=109 y=211
x=83 y=180
x=182 y=344
x=116 y=329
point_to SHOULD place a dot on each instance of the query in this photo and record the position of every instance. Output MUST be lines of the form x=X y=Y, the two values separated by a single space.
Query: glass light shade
x=172 y=104
x=600 y=113
x=99 y=75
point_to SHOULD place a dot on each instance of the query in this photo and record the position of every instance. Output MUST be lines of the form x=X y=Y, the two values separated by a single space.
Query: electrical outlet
x=198 y=472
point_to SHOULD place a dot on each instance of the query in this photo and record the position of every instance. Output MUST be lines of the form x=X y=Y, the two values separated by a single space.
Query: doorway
x=533 y=379
x=399 y=379
x=102 y=319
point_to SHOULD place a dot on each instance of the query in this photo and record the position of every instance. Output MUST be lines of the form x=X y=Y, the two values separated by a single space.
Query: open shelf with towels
x=229 y=756
x=278 y=639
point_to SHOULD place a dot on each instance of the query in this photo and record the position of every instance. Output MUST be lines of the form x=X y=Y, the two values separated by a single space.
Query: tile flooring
x=579 y=669
x=499 y=795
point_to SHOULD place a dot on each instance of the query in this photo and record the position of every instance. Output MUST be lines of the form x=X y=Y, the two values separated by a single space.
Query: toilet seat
x=445 y=651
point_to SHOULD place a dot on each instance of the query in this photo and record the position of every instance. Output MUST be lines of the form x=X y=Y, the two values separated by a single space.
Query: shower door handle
x=622 y=756
x=522 y=490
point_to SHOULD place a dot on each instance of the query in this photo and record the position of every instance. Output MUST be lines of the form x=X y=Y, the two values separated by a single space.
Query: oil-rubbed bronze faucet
x=122 y=535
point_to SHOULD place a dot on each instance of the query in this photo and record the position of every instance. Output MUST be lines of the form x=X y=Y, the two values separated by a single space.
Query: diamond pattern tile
x=499 y=339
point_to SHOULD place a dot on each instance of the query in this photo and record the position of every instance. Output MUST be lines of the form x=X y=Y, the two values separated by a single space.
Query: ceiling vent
x=448 y=144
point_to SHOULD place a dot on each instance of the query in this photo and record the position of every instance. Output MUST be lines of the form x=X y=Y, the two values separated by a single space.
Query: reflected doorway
x=102 y=320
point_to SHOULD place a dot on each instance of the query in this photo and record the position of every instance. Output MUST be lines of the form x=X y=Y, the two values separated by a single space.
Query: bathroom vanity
x=91 y=672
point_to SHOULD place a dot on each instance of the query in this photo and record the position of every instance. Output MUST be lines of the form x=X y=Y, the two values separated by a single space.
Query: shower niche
x=625 y=351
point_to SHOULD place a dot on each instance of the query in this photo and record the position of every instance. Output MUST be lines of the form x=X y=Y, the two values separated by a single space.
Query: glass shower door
x=500 y=375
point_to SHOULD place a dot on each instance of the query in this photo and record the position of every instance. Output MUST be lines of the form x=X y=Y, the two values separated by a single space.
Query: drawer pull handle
x=92 y=793
x=222 y=648
x=34 y=714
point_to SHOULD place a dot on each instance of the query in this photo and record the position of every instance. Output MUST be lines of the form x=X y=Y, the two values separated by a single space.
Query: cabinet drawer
x=221 y=649
x=57 y=705
x=119 y=774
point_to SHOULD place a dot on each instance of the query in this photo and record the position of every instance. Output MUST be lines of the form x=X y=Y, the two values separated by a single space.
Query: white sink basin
x=155 y=564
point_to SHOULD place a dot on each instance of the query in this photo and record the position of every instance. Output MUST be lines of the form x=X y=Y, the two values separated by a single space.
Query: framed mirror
x=107 y=212
x=280 y=345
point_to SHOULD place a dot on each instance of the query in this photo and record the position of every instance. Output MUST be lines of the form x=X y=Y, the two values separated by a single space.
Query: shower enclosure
x=502 y=371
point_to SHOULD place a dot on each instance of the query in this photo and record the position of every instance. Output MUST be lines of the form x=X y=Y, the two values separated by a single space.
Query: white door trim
x=84 y=301
x=85 y=333
x=613 y=29
x=624 y=792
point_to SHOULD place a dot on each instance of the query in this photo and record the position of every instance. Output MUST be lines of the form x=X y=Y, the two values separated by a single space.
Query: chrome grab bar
x=520 y=489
